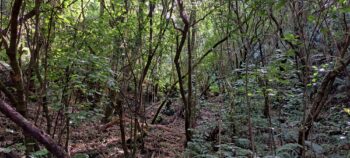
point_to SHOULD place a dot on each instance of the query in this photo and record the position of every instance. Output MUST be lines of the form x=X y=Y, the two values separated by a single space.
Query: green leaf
x=242 y=143
x=347 y=110
x=291 y=38
x=288 y=147
x=5 y=150
x=243 y=152
x=40 y=153
x=311 y=18
x=280 y=4
x=81 y=156
x=318 y=149
x=342 y=1
x=344 y=10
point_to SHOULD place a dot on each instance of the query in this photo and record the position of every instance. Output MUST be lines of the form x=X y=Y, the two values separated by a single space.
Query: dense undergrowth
x=174 y=78
x=223 y=126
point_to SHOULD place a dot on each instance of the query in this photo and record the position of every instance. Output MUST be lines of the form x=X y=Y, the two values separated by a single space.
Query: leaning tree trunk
x=323 y=92
x=32 y=130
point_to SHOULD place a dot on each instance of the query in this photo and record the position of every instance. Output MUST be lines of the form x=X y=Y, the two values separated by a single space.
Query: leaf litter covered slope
x=162 y=140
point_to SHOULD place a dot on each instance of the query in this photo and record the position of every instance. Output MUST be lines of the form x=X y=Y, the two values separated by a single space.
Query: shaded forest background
x=174 y=78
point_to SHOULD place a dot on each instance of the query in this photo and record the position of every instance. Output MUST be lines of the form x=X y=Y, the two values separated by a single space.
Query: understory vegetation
x=174 y=78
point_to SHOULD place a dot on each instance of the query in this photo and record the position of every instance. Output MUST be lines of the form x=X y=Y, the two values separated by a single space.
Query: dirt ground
x=165 y=139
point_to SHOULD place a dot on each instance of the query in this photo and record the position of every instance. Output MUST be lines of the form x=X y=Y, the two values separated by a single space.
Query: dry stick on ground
x=35 y=132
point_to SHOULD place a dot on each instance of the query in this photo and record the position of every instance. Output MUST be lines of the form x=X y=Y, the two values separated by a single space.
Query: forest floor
x=166 y=138
x=163 y=140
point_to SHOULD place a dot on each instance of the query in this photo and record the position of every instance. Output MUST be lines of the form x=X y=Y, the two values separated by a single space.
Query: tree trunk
x=184 y=33
x=35 y=132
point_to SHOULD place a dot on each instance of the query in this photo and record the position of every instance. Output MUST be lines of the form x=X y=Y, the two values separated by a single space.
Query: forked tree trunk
x=320 y=99
x=184 y=33
x=324 y=89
